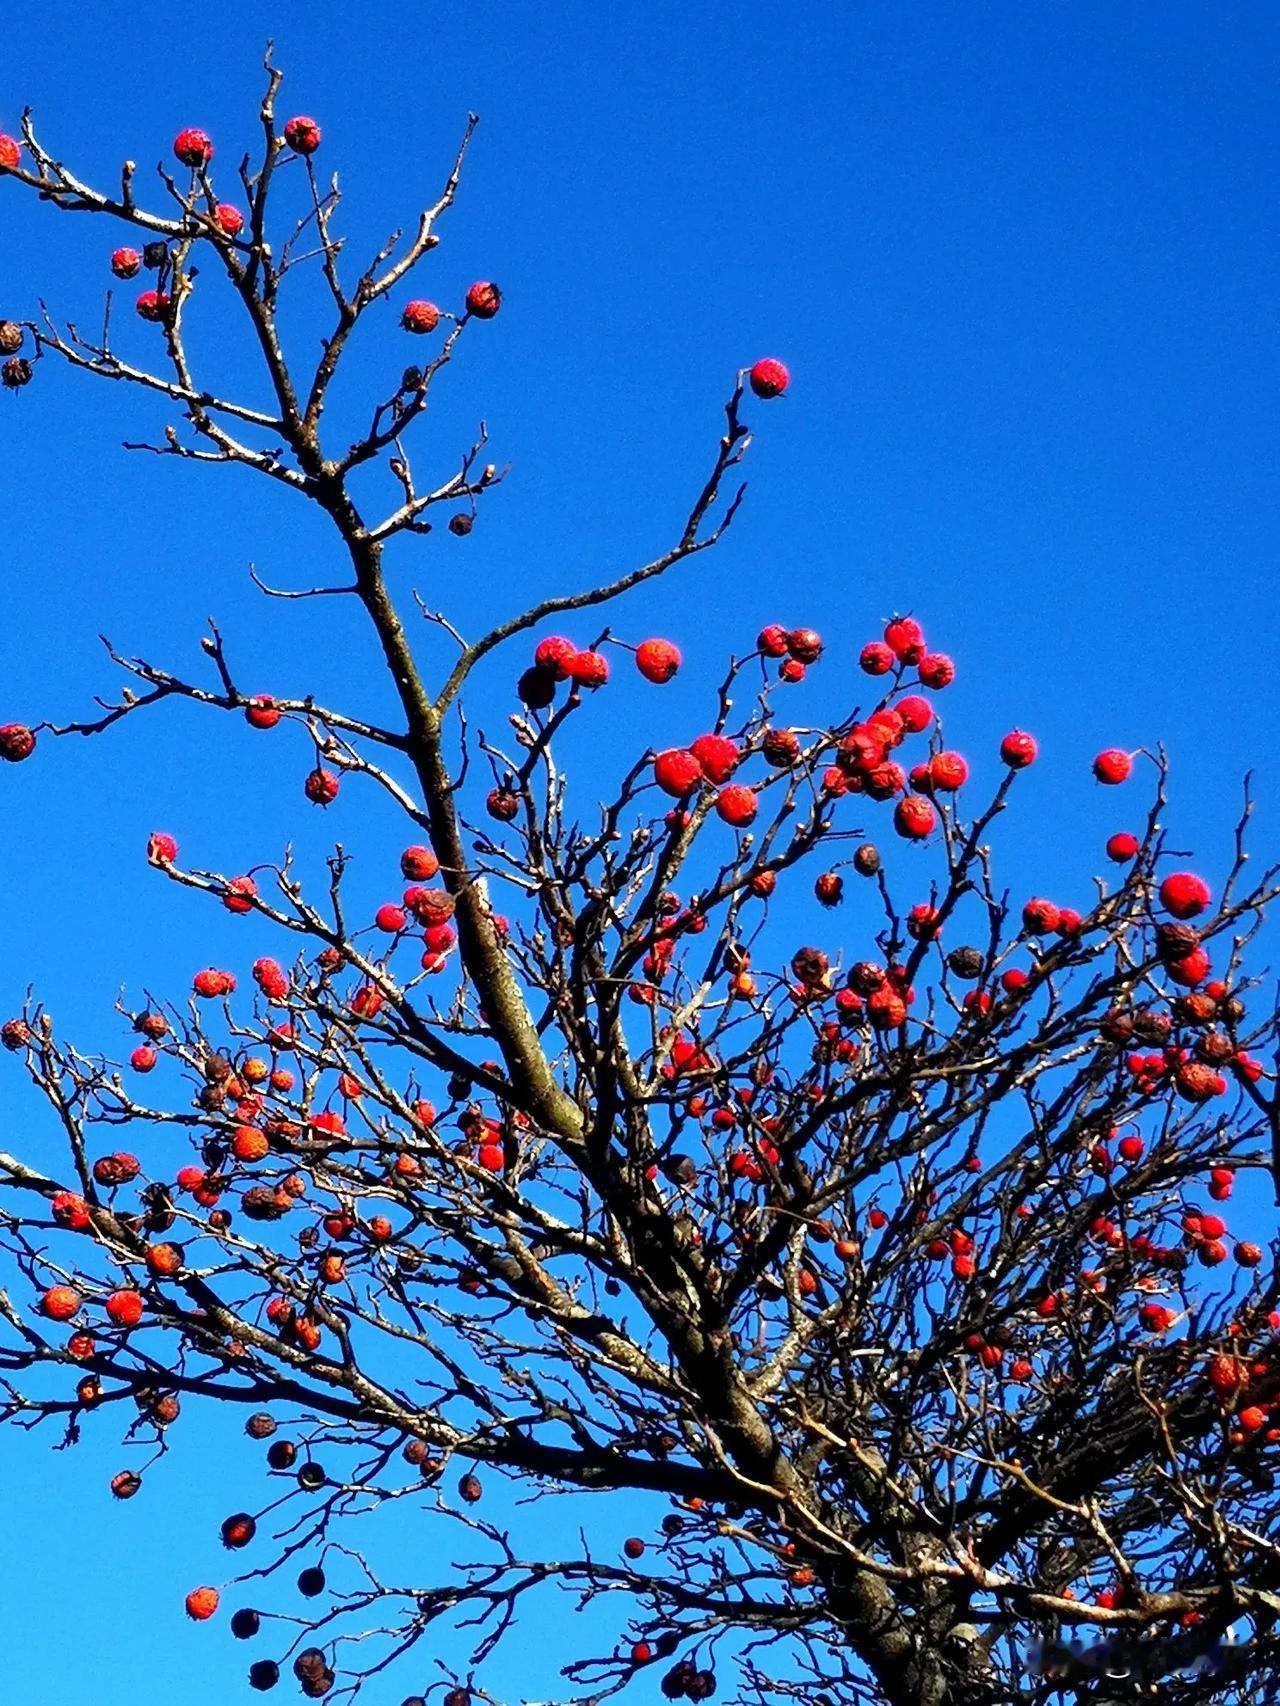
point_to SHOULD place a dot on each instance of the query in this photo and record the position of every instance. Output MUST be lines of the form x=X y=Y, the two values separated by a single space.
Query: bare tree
x=898 y=1276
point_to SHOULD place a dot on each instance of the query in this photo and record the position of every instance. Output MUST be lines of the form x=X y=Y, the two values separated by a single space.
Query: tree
x=892 y=1265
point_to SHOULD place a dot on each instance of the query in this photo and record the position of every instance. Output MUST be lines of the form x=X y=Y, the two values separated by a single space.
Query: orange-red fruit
x=948 y=770
x=914 y=818
x=772 y=640
x=677 y=772
x=321 y=786
x=737 y=805
x=905 y=639
x=717 y=755
x=240 y=895
x=1018 y=749
x=302 y=134
x=769 y=378
x=804 y=644
x=228 y=218
x=262 y=712
x=936 y=670
x=554 y=655
x=1122 y=847
x=10 y=154
x=1040 y=917
x=126 y=263
x=1112 y=766
x=70 y=1211
x=1184 y=894
x=249 y=1144
x=60 y=1302
x=124 y=1308
x=193 y=147
x=419 y=864
x=885 y=1008
x=484 y=299
x=916 y=713
x=152 y=305
x=876 y=658
x=588 y=669
x=657 y=661
x=420 y=317
x=201 y=1604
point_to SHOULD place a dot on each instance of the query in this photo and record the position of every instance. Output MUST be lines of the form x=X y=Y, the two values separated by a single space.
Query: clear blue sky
x=1022 y=263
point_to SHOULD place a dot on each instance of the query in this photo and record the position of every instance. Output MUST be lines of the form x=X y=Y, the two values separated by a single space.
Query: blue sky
x=1021 y=262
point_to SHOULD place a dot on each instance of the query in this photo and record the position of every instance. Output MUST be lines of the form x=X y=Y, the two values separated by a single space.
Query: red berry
x=717 y=755
x=916 y=713
x=1040 y=917
x=885 y=1008
x=1248 y=1255
x=17 y=742
x=321 y=786
x=152 y=305
x=143 y=1059
x=302 y=135
x=657 y=661
x=1184 y=894
x=555 y=654
x=1190 y=970
x=70 y=1211
x=262 y=712
x=391 y=919
x=229 y=219
x=905 y=639
x=737 y=805
x=201 y=1604
x=1018 y=749
x=193 y=147
x=948 y=770
x=936 y=670
x=10 y=154
x=769 y=378
x=588 y=669
x=805 y=645
x=420 y=317
x=914 y=818
x=240 y=895
x=126 y=263
x=484 y=299
x=1112 y=766
x=1122 y=847
x=124 y=1308
x=772 y=641
x=419 y=864
x=60 y=1303
x=876 y=658
x=162 y=849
